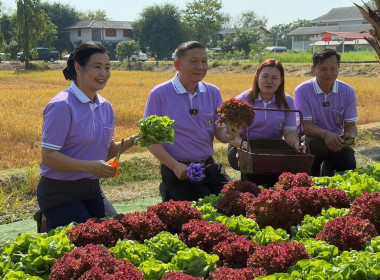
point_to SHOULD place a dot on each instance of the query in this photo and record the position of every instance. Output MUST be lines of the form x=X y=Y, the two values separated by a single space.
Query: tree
x=250 y=18
x=94 y=15
x=8 y=27
x=62 y=16
x=203 y=18
x=126 y=49
x=31 y=26
x=159 y=28
x=373 y=17
x=50 y=36
x=243 y=40
x=280 y=31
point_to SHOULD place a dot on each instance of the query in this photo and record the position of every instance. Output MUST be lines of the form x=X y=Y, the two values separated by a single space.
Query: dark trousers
x=173 y=188
x=266 y=181
x=336 y=161
x=63 y=202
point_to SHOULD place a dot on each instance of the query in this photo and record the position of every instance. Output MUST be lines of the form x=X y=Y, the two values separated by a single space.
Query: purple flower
x=195 y=172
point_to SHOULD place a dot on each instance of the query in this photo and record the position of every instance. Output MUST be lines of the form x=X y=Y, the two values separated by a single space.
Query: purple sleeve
x=153 y=105
x=55 y=127
x=301 y=102
x=290 y=118
x=350 y=112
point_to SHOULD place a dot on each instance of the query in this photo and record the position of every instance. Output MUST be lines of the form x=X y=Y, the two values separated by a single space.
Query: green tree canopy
x=243 y=40
x=125 y=49
x=250 y=18
x=159 y=28
x=31 y=24
x=280 y=31
x=203 y=18
x=94 y=15
x=62 y=16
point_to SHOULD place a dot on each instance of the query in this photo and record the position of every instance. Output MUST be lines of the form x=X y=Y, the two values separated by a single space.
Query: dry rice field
x=23 y=96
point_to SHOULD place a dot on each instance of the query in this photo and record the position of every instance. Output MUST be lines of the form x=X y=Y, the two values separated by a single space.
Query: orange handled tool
x=115 y=162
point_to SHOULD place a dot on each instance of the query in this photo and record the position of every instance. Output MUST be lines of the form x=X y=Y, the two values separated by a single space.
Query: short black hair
x=181 y=50
x=81 y=54
x=322 y=55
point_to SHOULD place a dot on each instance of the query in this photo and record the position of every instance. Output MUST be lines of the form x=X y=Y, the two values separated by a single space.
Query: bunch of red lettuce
x=97 y=231
x=227 y=273
x=310 y=200
x=348 y=233
x=234 y=253
x=367 y=206
x=234 y=203
x=93 y=262
x=175 y=213
x=242 y=186
x=172 y=275
x=205 y=235
x=236 y=112
x=336 y=198
x=275 y=208
x=141 y=225
x=289 y=180
x=277 y=256
x=155 y=130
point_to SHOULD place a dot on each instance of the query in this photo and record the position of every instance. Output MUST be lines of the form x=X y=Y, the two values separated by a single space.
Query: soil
x=291 y=69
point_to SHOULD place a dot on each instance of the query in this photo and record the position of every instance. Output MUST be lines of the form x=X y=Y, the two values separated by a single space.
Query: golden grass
x=23 y=96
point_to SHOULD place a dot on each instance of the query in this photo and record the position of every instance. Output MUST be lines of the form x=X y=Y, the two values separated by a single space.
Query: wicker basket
x=274 y=162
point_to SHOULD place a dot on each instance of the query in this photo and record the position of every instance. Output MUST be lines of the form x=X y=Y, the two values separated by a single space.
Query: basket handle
x=302 y=125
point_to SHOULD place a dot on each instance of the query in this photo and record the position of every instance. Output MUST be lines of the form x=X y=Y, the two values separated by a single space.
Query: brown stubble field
x=23 y=96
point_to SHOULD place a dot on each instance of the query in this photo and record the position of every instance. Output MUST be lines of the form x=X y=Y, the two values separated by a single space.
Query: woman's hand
x=100 y=168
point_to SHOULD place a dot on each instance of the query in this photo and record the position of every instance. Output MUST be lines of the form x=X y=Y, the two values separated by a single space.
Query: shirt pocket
x=207 y=121
x=108 y=130
x=338 y=116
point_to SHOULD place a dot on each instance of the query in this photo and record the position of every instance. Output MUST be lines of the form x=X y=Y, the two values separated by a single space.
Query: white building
x=110 y=32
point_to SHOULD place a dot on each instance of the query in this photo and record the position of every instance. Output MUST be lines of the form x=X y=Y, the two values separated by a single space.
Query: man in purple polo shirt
x=192 y=105
x=329 y=109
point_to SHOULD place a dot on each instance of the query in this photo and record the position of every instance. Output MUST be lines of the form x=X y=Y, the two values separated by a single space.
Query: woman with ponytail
x=77 y=141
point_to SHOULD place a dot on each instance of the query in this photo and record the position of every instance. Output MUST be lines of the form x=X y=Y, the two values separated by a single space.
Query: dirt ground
x=291 y=69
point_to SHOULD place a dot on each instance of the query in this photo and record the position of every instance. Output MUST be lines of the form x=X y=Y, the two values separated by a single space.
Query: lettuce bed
x=324 y=228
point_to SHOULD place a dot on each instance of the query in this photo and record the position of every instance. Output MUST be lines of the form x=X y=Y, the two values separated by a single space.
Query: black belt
x=209 y=160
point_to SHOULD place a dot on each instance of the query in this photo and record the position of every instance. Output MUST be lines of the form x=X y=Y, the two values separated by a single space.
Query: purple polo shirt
x=78 y=128
x=194 y=133
x=341 y=100
x=269 y=124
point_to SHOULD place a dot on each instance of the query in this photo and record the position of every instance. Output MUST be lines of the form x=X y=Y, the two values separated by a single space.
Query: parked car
x=140 y=56
x=40 y=54
x=276 y=49
x=66 y=57
x=3 y=57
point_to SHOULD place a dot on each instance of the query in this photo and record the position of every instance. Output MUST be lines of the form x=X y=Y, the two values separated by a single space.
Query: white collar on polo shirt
x=318 y=90
x=81 y=96
x=180 y=89
x=270 y=101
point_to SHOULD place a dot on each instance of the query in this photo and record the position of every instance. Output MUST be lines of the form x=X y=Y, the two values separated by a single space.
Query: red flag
x=327 y=37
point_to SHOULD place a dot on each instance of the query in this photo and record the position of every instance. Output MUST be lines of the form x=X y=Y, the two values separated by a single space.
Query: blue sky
x=276 y=11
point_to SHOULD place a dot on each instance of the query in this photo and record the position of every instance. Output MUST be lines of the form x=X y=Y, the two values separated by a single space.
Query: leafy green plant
x=155 y=130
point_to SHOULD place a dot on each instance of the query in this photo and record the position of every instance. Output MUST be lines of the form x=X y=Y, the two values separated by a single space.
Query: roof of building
x=340 y=14
x=101 y=24
x=314 y=30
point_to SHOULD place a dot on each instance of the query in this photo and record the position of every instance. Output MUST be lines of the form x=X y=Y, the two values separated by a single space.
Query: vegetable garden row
x=306 y=228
